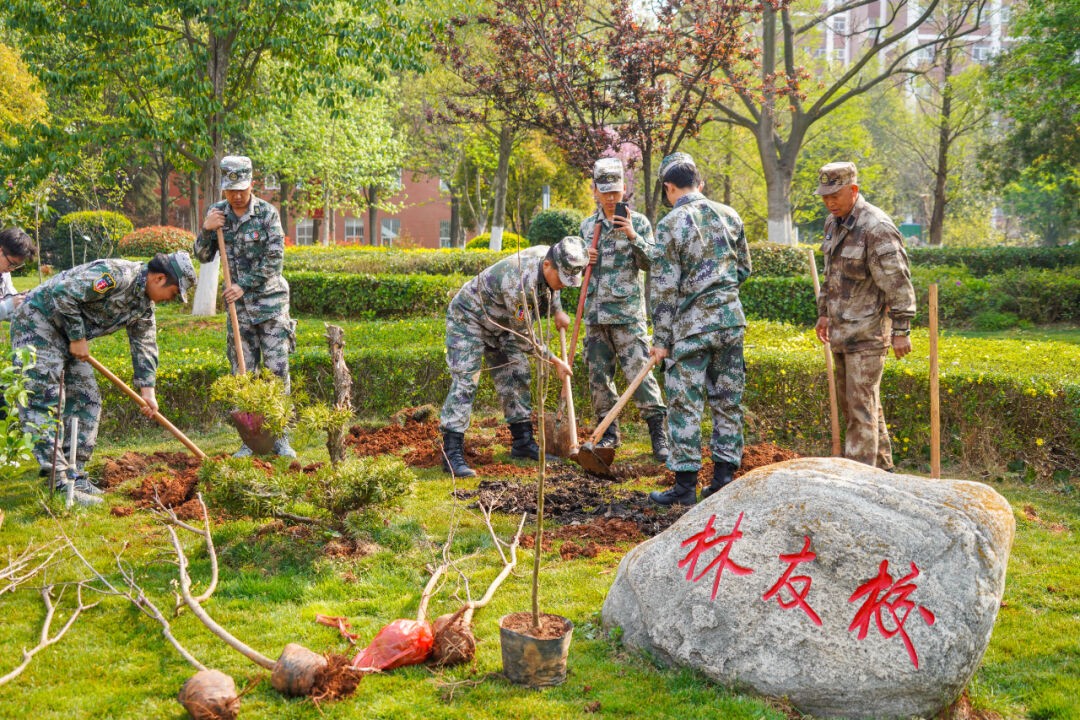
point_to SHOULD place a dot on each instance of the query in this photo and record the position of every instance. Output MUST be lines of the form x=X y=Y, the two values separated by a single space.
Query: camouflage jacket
x=702 y=259
x=615 y=294
x=494 y=297
x=255 y=246
x=98 y=298
x=867 y=290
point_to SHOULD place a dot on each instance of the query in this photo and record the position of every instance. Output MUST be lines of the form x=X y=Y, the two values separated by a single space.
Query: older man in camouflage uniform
x=58 y=320
x=615 y=307
x=255 y=246
x=865 y=305
x=492 y=317
x=698 y=326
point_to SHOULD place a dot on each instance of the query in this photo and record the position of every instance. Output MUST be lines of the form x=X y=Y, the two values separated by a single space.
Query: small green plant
x=16 y=445
x=261 y=393
x=356 y=483
x=320 y=418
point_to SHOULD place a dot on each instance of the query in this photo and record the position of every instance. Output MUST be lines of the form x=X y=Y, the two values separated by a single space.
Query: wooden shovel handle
x=834 y=411
x=581 y=299
x=568 y=394
x=233 y=320
x=142 y=403
x=625 y=398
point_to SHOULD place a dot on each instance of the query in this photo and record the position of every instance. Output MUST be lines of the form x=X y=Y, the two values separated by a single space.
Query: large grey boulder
x=888 y=619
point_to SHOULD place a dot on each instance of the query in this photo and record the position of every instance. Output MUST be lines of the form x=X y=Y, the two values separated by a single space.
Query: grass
x=115 y=664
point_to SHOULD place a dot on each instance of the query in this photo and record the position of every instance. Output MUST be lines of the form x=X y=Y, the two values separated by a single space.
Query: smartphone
x=622 y=209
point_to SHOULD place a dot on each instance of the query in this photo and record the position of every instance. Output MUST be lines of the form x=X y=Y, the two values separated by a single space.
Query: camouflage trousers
x=704 y=367
x=82 y=399
x=271 y=342
x=858 y=390
x=468 y=343
x=630 y=345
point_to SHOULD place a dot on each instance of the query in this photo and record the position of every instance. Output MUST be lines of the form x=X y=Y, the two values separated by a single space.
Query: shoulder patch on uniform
x=104 y=284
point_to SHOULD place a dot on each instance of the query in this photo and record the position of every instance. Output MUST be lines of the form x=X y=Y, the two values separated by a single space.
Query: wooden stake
x=935 y=397
x=834 y=410
x=226 y=277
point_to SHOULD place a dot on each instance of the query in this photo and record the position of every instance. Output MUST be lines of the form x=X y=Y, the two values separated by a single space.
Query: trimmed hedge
x=103 y=228
x=993 y=260
x=1002 y=403
x=510 y=241
x=551 y=226
x=149 y=241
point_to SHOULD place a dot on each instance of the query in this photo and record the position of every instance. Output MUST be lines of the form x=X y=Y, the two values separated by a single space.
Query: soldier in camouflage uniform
x=865 y=305
x=58 y=320
x=255 y=246
x=698 y=326
x=615 y=307
x=489 y=319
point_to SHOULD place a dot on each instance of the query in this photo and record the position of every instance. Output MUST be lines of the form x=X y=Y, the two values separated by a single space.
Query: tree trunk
x=324 y=231
x=941 y=172
x=373 y=216
x=502 y=174
x=193 y=210
x=455 y=219
x=335 y=437
x=164 y=171
x=283 y=207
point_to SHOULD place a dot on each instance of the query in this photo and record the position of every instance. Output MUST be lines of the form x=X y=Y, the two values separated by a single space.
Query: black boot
x=454 y=454
x=523 y=446
x=610 y=438
x=684 y=492
x=658 y=435
x=722 y=475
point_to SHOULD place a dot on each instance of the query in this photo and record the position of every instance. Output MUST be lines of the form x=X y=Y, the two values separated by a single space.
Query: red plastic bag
x=402 y=642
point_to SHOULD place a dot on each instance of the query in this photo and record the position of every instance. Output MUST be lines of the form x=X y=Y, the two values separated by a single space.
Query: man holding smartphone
x=621 y=244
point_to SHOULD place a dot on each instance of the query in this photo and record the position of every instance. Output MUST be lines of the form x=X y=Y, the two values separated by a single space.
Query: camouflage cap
x=836 y=175
x=184 y=272
x=607 y=175
x=235 y=172
x=570 y=256
x=679 y=158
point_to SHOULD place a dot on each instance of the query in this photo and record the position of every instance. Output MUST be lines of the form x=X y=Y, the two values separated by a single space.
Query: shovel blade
x=595 y=460
x=557 y=432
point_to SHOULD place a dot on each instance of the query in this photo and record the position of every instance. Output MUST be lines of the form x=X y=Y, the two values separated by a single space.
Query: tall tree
x=792 y=92
x=1036 y=85
x=599 y=76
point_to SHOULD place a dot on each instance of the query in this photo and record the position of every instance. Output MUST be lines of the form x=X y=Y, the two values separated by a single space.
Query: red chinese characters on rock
x=705 y=540
x=787 y=582
x=882 y=593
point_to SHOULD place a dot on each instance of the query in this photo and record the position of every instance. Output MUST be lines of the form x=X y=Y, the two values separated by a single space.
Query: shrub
x=510 y=241
x=771 y=259
x=259 y=393
x=149 y=241
x=995 y=260
x=366 y=259
x=16 y=446
x=103 y=228
x=991 y=320
x=372 y=296
x=551 y=226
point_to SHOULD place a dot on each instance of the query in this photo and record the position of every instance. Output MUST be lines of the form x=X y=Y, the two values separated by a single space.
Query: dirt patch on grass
x=169 y=476
x=754 y=456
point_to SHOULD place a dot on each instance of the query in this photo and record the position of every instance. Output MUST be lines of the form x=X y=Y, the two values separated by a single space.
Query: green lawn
x=115 y=664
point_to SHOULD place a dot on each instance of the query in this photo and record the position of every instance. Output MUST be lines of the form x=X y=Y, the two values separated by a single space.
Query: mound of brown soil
x=168 y=476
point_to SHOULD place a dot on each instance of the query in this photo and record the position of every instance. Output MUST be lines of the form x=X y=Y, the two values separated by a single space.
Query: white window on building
x=270 y=182
x=354 y=230
x=840 y=24
x=444 y=233
x=391 y=228
x=981 y=53
x=840 y=54
x=924 y=56
x=444 y=186
x=304 y=231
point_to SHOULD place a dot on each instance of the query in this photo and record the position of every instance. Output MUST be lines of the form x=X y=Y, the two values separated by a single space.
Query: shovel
x=563 y=426
x=597 y=460
x=142 y=403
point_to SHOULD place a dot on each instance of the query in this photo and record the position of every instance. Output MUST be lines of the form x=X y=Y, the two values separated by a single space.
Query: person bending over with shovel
x=615 y=309
x=489 y=318
x=59 y=318
x=255 y=250
x=698 y=327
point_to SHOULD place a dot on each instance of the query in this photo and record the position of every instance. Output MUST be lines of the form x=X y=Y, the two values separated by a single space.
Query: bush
x=149 y=241
x=773 y=260
x=510 y=241
x=16 y=446
x=551 y=226
x=361 y=259
x=995 y=260
x=368 y=297
x=103 y=228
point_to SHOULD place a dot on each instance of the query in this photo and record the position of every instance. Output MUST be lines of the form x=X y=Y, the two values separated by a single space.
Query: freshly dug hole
x=210 y=695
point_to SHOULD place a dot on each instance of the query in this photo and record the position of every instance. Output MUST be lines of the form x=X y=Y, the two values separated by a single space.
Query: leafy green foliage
x=239 y=486
x=15 y=444
x=510 y=241
x=993 y=260
x=147 y=242
x=1036 y=296
x=372 y=296
x=550 y=226
x=261 y=393
x=772 y=259
x=390 y=261
x=92 y=233
x=359 y=482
